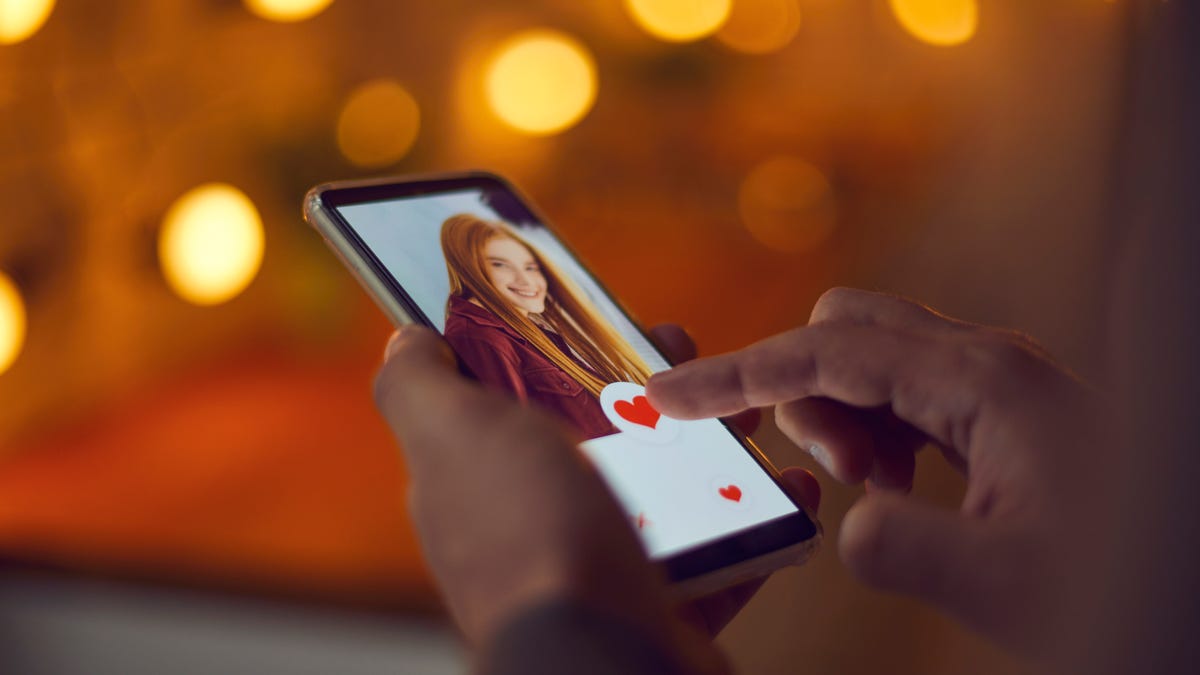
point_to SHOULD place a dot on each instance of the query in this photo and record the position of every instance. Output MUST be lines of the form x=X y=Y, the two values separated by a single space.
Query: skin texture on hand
x=501 y=498
x=510 y=514
x=871 y=380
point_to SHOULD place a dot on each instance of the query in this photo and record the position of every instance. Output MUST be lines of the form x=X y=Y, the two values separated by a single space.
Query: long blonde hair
x=611 y=358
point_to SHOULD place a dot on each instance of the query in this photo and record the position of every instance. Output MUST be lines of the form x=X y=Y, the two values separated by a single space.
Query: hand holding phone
x=479 y=460
x=465 y=255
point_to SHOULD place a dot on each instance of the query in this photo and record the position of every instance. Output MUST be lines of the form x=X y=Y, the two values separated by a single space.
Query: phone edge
x=748 y=570
x=316 y=216
x=315 y=213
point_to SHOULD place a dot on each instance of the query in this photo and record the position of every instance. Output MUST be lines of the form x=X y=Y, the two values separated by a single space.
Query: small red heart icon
x=639 y=411
x=731 y=492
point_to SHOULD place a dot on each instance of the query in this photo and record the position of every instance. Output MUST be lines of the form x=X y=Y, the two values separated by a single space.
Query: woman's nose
x=523 y=278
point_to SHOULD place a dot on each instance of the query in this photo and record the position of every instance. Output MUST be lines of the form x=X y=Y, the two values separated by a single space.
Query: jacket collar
x=461 y=307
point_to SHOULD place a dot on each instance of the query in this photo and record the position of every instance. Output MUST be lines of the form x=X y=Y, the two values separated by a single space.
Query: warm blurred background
x=187 y=442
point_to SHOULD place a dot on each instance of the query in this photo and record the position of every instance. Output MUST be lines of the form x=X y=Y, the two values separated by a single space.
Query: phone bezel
x=800 y=530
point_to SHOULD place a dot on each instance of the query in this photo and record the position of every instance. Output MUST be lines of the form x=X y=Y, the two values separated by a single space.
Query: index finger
x=866 y=307
x=940 y=386
x=851 y=305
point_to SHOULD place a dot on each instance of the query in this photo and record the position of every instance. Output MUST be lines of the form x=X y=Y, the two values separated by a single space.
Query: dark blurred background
x=191 y=469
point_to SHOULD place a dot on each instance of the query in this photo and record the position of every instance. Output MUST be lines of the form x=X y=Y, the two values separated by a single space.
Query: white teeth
x=525 y=294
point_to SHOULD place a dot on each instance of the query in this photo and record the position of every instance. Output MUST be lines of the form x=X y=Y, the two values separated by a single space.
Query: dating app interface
x=525 y=317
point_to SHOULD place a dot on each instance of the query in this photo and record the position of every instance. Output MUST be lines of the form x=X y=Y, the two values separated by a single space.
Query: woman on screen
x=518 y=323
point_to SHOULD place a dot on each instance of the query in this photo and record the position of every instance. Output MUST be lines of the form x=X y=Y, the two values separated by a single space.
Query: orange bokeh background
x=235 y=446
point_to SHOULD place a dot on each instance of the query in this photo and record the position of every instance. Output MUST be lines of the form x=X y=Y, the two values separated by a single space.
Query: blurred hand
x=510 y=514
x=874 y=378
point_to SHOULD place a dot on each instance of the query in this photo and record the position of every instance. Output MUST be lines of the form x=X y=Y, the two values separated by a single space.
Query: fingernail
x=818 y=453
x=664 y=376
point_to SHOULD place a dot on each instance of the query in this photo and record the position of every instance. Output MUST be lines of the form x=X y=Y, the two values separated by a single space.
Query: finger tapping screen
x=525 y=317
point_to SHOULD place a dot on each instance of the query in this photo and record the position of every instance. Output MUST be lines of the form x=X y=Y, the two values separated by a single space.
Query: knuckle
x=770 y=372
x=1003 y=372
x=1003 y=362
x=839 y=294
x=832 y=300
x=1019 y=339
x=750 y=362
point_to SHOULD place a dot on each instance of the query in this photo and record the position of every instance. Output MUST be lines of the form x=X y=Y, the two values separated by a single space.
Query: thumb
x=895 y=544
x=416 y=364
x=417 y=345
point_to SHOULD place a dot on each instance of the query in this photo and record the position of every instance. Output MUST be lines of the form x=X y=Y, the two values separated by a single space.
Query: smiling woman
x=517 y=323
x=516 y=274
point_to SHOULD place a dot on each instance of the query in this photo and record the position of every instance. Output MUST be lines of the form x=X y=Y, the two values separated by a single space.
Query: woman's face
x=515 y=273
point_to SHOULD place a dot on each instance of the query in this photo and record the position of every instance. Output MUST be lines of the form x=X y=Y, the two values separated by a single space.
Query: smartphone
x=467 y=255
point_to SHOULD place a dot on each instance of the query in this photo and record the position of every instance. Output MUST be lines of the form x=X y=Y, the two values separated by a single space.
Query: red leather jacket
x=499 y=356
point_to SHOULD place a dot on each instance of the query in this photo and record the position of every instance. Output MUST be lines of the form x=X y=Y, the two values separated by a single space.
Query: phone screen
x=524 y=316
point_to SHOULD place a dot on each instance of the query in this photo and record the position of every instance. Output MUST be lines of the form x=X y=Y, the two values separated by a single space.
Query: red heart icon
x=731 y=492
x=639 y=411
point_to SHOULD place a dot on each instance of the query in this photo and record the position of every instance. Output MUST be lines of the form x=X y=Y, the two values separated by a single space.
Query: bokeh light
x=12 y=322
x=211 y=244
x=760 y=26
x=287 y=10
x=787 y=204
x=20 y=19
x=378 y=124
x=938 y=22
x=679 y=20
x=541 y=81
